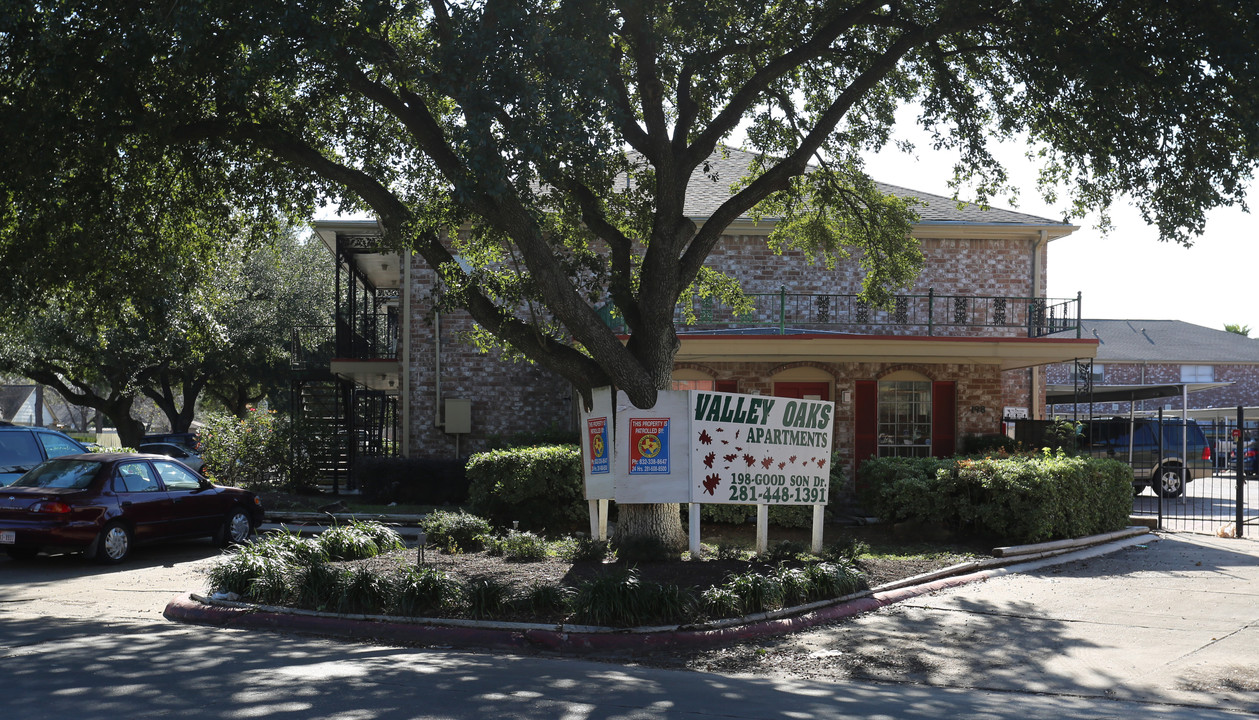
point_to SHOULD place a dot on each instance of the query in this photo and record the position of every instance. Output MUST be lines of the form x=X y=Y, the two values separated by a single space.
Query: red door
x=803 y=390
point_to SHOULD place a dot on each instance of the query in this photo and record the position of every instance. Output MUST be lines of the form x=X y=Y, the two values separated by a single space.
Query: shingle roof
x=706 y=191
x=1167 y=341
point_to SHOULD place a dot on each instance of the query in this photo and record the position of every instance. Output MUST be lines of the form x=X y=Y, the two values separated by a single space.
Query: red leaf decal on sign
x=749 y=460
x=708 y=459
x=782 y=465
x=767 y=462
x=725 y=442
x=729 y=457
x=791 y=459
x=739 y=449
x=821 y=462
x=721 y=429
x=736 y=434
x=711 y=482
x=705 y=438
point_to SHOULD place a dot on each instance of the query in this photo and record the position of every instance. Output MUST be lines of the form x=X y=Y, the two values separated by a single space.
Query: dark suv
x=1136 y=442
x=22 y=448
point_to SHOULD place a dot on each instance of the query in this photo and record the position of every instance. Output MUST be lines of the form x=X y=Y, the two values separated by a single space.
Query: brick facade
x=512 y=397
x=507 y=397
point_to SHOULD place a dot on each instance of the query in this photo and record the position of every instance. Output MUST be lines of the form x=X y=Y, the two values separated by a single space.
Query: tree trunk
x=661 y=522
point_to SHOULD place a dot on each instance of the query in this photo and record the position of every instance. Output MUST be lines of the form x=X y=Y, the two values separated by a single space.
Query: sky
x=1126 y=273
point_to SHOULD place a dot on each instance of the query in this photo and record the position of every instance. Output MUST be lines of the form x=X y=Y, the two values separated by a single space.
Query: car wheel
x=236 y=529
x=22 y=553
x=1169 y=482
x=115 y=544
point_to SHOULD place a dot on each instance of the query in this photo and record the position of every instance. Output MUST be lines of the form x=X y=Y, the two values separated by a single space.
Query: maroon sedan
x=101 y=504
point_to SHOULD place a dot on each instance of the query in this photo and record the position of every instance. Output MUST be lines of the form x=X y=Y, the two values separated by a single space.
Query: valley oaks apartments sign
x=697 y=446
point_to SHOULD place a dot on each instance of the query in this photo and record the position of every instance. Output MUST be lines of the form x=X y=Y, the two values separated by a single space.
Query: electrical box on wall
x=458 y=416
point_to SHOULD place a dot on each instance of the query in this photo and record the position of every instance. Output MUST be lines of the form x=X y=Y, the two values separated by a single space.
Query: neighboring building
x=1222 y=367
x=948 y=359
x=25 y=405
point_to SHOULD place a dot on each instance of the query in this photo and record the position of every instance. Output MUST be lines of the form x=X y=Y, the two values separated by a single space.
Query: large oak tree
x=564 y=133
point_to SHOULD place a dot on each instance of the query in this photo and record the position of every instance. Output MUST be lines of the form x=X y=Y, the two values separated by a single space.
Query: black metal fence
x=1221 y=500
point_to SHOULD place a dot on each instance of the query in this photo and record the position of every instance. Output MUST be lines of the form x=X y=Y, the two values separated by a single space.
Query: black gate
x=1220 y=497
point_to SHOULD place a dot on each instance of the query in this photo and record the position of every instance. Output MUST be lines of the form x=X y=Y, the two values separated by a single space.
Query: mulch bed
x=697 y=575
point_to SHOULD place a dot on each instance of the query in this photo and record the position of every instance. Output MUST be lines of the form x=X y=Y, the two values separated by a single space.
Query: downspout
x=1034 y=372
x=437 y=370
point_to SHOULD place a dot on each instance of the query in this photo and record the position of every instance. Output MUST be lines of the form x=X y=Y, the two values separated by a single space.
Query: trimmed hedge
x=540 y=487
x=1028 y=498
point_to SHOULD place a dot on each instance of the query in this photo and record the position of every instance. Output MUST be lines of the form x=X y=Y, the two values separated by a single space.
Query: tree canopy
x=564 y=133
x=221 y=327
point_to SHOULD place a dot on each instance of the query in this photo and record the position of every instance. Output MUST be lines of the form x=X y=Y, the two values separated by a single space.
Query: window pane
x=176 y=477
x=904 y=428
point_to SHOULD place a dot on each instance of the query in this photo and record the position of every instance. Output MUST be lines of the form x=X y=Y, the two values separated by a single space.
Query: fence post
x=1079 y=297
x=782 y=309
x=1240 y=454
x=931 y=304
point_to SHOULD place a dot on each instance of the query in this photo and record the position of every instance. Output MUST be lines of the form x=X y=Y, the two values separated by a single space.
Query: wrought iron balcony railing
x=362 y=337
x=928 y=314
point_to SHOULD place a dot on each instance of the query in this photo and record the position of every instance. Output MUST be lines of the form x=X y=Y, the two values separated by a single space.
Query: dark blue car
x=22 y=448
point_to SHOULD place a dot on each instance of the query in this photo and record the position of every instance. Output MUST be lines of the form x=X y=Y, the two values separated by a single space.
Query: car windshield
x=73 y=474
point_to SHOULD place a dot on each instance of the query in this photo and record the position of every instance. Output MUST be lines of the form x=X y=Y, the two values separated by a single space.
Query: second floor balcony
x=929 y=314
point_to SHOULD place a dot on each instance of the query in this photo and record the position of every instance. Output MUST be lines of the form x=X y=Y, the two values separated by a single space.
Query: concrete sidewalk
x=1172 y=620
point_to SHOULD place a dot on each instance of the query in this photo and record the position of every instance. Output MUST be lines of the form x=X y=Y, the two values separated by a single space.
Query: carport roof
x=1056 y=394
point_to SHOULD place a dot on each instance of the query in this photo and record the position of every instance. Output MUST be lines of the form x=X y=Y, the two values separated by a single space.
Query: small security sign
x=1237 y=433
x=649 y=446
x=599 y=450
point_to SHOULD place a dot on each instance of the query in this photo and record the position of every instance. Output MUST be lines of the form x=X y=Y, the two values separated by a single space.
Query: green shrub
x=523 y=546
x=542 y=598
x=582 y=549
x=461 y=530
x=273 y=585
x=1022 y=498
x=236 y=570
x=318 y=586
x=539 y=487
x=486 y=597
x=845 y=549
x=826 y=580
x=794 y=584
x=246 y=452
x=785 y=550
x=756 y=592
x=719 y=602
x=624 y=600
x=426 y=590
x=293 y=545
x=349 y=542
x=897 y=489
x=366 y=591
